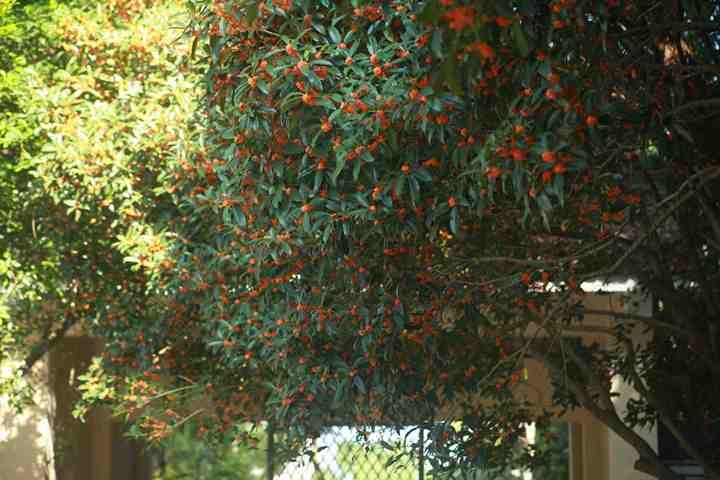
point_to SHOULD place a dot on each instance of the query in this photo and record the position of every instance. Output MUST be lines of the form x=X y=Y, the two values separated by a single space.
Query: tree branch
x=705 y=102
x=649 y=462
x=47 y=344
x=707 y=175
x=669 y=27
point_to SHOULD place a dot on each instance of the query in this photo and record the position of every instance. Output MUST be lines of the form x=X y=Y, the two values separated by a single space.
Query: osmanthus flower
x=483 y=49
x=460 y=18
x=284 y=5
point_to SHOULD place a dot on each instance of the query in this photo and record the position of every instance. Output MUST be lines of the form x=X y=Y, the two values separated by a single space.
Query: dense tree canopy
x=392 y=193
x=388 y=197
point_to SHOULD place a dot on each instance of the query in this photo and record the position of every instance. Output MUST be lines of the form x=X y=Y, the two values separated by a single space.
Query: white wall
x=622 y=456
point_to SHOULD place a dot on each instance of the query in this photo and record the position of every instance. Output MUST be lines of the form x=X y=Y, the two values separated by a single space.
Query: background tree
x=96 y=103
x=187 y=456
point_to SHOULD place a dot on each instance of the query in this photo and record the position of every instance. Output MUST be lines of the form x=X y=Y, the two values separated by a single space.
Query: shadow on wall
x=26 y=439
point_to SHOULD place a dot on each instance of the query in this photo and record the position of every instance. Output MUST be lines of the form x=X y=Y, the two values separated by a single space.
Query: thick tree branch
x=47 y=344
x=649 y=462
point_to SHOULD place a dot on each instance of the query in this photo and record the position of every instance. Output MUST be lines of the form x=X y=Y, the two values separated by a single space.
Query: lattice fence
x=340 y=454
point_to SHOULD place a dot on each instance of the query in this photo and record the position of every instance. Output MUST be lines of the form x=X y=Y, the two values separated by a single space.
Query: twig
x=195 y=413
x=705 y=102
x=669 y=27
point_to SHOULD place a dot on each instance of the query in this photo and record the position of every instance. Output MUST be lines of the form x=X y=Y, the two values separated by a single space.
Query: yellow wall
x=26 y=443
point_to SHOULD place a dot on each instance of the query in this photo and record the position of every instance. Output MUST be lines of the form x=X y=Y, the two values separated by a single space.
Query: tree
x=392 y=195
x=187 y=456
x=24 y=38
x=95 y=104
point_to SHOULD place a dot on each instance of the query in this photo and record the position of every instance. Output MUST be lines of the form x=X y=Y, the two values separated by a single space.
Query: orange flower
x=551 y=94
x=283 y=4
x=549 y=157
x=503 y=22
x=614 y=193
x=632 y=199
x=493 y=172
x=431 y=163
x=482 y=49
x=321 y=72
x=518 y=154
x=308 y=99
x=461 y=17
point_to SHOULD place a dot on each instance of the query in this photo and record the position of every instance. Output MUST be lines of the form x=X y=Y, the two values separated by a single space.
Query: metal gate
x=343 y=453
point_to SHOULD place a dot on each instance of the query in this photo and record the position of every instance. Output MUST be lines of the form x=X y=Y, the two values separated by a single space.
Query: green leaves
x=431 y=12
x=334 y=34
x=436 y=44
x=520 y=39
